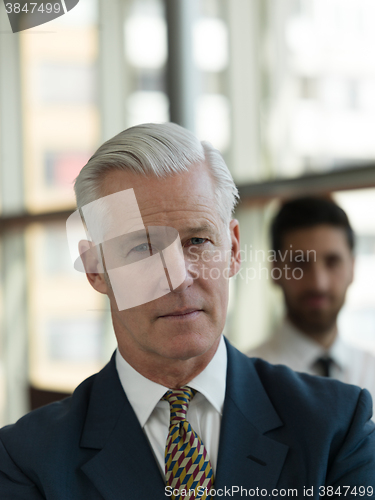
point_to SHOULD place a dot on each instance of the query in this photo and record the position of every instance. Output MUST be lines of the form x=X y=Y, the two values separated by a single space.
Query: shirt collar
x=144 y=394
x=307 y=350
x=211 y=382
x=340 y=353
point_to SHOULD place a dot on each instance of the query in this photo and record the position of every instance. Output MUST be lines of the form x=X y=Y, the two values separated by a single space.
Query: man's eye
x=333 y=261
x=143 y=247
x=197 y=241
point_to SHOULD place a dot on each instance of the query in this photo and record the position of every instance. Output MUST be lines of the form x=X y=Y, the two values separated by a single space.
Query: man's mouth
x=316 y=300
x=186 y=313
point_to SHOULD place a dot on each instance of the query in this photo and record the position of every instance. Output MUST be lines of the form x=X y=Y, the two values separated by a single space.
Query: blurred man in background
x=313 y=244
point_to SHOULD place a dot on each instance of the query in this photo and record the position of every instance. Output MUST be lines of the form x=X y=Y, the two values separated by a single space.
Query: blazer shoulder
x=327 y=400
x=281 y=376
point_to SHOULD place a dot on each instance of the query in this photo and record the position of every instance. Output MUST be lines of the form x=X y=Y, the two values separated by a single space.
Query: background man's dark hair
x=307 y=212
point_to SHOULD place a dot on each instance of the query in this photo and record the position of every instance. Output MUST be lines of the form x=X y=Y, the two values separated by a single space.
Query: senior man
x=178 y=412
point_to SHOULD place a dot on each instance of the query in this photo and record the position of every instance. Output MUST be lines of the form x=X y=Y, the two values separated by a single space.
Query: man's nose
x=189 y=277
x=319 y=277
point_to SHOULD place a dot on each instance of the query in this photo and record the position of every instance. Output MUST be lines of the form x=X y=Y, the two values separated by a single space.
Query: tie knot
x=179 y=400
x=325 y=364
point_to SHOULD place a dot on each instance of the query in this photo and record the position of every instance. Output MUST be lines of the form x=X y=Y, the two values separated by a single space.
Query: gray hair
x=161 y=150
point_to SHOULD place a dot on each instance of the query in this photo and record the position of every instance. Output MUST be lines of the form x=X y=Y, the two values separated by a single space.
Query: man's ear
x=93 y=266
x=235 y=261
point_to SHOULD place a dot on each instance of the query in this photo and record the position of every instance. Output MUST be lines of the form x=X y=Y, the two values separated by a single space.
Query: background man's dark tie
x=325 y=365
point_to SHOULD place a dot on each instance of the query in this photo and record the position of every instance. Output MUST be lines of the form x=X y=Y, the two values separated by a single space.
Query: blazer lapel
x=124 y=465
x=247 y=457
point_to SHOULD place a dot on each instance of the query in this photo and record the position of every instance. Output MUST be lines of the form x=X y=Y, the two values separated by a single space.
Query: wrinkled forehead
x=164 y=199
x=112 y=215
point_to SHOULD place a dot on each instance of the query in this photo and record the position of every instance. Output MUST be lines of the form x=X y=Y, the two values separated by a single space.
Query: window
x=60 y=112
x=357 y=319
x=319 y=105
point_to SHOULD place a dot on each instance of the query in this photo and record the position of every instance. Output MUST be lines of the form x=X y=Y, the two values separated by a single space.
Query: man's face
x=314 y=301
x=188 y=321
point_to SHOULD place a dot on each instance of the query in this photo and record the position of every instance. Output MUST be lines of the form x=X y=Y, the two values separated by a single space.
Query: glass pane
x=255 y=306
x=60 y=105
x=67 y=318
x=357 y=319
x=145 y=47
x=320 y=103
x=211 y=57
x=146 y=53
x=2 y=360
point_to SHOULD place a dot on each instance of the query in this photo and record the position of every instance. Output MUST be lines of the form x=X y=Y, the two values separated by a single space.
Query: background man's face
x=188 y=321
x=314 y=301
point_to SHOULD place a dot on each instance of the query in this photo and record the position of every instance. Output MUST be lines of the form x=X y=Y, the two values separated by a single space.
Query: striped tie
x=187 y=465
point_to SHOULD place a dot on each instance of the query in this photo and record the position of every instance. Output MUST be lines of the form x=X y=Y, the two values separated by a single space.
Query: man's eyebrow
x=204 y=228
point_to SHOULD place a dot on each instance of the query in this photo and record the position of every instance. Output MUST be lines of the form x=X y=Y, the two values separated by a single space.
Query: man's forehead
x=112 y=216
x=178 y=208
x=186 y=222
x=177 y=198
x=320 y=238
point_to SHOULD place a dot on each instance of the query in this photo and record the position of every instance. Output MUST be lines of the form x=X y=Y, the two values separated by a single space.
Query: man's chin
x=316 y=322
x=189 y=345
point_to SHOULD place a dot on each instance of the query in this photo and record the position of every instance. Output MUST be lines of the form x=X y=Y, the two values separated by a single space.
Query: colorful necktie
x=187 y=466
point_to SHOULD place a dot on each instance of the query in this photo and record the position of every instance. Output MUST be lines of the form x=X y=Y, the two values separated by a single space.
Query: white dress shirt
x=205 y=409
x=291 y=347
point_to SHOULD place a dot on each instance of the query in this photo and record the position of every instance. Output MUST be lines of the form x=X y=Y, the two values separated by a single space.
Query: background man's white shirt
x=290 y=347
x=205 y=409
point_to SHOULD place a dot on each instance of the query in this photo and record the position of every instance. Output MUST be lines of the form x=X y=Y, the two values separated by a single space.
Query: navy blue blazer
x=280 y=431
